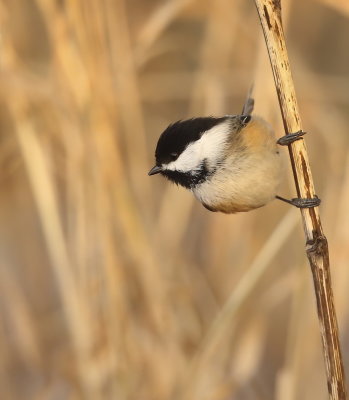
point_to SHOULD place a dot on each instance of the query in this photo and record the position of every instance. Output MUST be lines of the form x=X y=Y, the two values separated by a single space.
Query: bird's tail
x=249 y=103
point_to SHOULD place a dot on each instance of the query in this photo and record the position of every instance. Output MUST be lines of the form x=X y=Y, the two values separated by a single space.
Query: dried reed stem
x=316 y=243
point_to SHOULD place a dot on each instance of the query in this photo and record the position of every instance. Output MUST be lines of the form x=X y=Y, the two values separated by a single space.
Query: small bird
x=230 y=163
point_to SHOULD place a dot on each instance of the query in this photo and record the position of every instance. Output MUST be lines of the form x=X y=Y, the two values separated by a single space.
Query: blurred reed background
x=119 y=286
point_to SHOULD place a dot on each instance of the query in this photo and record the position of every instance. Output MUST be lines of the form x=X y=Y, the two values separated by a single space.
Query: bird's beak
x=155 y=170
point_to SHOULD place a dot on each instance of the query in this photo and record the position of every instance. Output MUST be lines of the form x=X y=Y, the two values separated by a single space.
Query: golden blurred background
x=115 y=285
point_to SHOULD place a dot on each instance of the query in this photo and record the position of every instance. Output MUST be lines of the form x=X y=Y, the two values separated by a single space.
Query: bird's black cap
x=178 y=135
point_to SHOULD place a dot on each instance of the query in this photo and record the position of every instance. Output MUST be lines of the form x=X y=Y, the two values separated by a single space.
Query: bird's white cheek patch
x=211 y=146
x=189 y=160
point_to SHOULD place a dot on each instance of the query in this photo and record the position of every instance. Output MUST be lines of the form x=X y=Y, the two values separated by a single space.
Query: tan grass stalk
x=238 y=297
x=154 y=27
x=36 y=163
x=341 y=6
x=316 y=243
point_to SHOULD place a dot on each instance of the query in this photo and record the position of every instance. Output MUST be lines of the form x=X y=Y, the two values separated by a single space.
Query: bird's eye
x=174 y=156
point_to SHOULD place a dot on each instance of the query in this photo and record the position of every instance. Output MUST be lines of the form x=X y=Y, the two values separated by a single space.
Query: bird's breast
x=242 y=183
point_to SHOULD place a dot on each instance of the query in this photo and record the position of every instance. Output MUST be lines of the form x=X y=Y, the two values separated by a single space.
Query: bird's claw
x=302 y=203
x=290 y=138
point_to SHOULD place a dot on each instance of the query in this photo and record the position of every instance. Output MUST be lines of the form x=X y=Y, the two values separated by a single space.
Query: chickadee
x=230 y=163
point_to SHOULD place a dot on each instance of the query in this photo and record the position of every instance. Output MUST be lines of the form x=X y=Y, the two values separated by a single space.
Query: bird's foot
x=290 y=138
x=302 y=203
